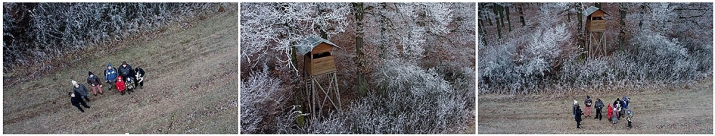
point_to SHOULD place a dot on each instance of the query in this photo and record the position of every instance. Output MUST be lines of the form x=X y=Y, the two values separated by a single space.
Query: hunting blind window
x=320 y=55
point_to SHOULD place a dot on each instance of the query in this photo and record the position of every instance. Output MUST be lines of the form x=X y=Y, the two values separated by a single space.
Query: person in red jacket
x=120 y=85
x=610 y=112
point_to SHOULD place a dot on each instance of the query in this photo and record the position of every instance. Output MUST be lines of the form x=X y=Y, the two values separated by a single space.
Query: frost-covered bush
x=663 y=58
x=260 y=97
x=653 y=59
x=669 y=46
x=34 y=32
x=512 y=68
x=413 y=101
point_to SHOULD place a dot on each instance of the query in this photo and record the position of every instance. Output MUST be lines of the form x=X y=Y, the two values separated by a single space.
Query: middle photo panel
x=358 y=68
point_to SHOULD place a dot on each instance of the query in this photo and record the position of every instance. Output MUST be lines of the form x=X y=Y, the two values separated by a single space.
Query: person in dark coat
x=94 y=83
x=80 y=89
x=578 y=117
x=76 y=101
x=620 y=109
x=126 y=71
x=139 y=82
x=599 y=107
x=575 y=106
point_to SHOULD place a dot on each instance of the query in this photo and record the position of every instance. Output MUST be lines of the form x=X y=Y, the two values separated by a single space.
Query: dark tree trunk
x=508 y=20
x=359 y=14
x=521 y=16
x=622 y=34
x=496 y=17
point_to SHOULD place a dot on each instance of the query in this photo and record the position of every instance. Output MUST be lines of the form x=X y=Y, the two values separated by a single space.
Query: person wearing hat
x=95 y=83
x=80 y=89
x=120 y=85
x=577 y=115
x=110 y=75
x=76 y=101
x=125 y=70
x=588 y=104
x=575 y=106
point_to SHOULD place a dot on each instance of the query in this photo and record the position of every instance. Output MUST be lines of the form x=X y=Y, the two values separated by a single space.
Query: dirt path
x=668 y=110
x=191 y=87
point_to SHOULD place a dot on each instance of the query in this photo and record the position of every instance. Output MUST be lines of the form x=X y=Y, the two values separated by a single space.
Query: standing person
x=624 y=106
x=599 y=107
x=110 y=75
x=588 y=104
x=610 y=112
x=624 y=102
x=125 y=70
x=578 y=116
x=120 y=85
x=76 y=101
x=630 y=115
x=139 y=75
x=575 y=106
x=619 y=110
x=95 y=83
x=80 y=89
x=615 y=113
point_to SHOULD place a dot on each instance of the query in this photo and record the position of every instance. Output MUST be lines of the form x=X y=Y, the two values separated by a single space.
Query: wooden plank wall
x=323 y=65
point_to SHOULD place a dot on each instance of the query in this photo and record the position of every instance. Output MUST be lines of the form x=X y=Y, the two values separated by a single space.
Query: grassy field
x=191 y=86
x=671 y=110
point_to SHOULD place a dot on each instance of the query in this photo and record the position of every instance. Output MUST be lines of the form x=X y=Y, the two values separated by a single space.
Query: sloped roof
x=590 y=11
x=306 y=45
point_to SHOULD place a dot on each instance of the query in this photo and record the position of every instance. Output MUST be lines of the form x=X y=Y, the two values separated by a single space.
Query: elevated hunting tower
x=319 y=62
x=595 y=26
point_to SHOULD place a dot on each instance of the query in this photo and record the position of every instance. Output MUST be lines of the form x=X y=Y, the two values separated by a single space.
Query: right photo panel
x=595 y=68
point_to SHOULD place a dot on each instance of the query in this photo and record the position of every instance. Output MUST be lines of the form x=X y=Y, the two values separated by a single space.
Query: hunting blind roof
x=306 y=45
x=591 y=10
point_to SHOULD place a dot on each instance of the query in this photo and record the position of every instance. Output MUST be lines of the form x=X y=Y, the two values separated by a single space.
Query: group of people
x=618 y=109
x=124 y=79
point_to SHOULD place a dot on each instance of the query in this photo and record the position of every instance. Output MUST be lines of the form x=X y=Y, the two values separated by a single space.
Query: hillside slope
x=191 y=87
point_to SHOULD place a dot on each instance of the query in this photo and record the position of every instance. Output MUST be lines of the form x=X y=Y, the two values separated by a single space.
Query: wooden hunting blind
x=595 y=25
x=595 y=19
x=322 y=79
x=318 y=55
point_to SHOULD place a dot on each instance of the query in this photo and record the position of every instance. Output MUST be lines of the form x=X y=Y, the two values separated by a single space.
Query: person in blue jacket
x=625 y=102
x=110 y=75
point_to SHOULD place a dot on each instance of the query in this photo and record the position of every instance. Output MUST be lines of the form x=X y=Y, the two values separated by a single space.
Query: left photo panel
x=120 y=68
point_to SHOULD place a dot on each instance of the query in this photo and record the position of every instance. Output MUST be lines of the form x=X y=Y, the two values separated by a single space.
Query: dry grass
x=191 y=87
x=672 y=110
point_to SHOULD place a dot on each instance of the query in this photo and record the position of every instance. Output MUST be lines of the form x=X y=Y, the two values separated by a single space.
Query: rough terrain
x=682 y=109
x=191 y=86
